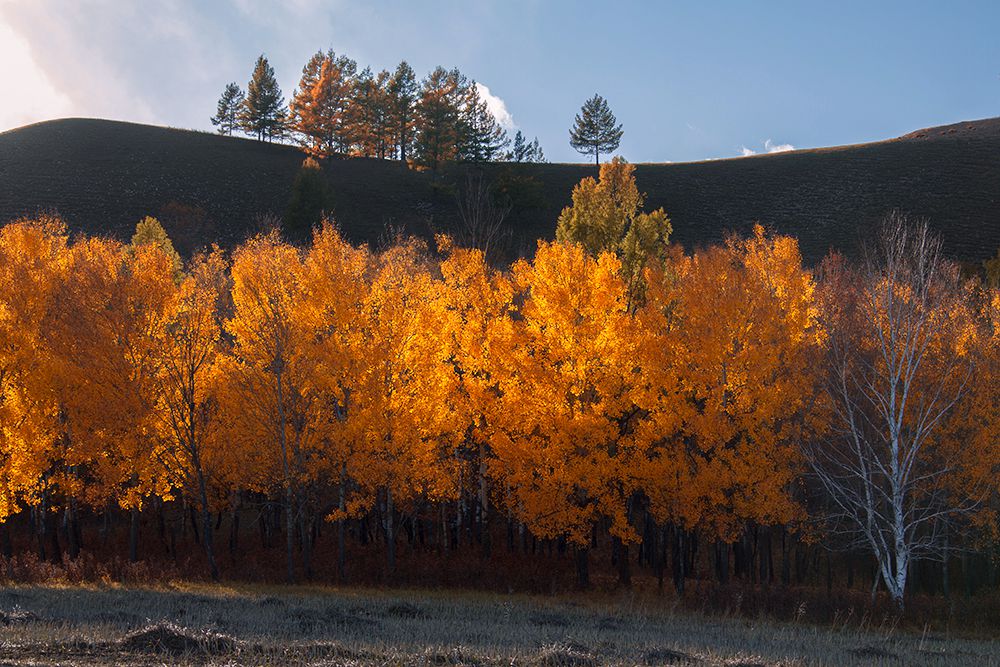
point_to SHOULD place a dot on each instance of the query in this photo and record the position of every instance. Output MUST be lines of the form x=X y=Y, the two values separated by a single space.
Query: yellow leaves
x=606 y=217
x=731 y=329
x=565 y=366
x=387 y=372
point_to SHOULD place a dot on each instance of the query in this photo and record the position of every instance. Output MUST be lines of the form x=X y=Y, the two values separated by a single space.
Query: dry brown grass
x=190 y=624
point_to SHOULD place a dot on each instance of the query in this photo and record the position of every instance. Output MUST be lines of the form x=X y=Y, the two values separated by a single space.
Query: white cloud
x=31 y=95
x=497 y=107
x=772 y=147
x=769 y=147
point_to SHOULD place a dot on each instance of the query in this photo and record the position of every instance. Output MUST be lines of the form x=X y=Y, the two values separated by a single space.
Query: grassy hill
x=102 y=176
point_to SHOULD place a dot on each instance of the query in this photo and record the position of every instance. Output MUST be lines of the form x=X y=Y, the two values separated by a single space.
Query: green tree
x=264 y=109
x=311 y=200
x=438 y=115
x=596 y=130
x=369 y=114
x=402 y=91
x=149 y=231
x=606 y=216
x=481 y=137
x=227 y=114
x=522 y=151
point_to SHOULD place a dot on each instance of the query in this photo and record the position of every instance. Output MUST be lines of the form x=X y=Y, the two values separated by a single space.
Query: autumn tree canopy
x=423 y=400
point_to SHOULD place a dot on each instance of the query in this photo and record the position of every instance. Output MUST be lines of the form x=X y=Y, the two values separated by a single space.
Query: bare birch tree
x=482 y=217
x=896 y=370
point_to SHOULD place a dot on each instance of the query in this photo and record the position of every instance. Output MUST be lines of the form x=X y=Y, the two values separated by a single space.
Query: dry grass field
x=203 y=625
x=103 y=176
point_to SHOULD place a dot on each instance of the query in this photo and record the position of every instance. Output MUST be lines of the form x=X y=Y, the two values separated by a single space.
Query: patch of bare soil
x=170 y=639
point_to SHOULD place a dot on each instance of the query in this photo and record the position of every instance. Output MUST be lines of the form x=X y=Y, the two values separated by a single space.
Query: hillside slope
x=102 y=176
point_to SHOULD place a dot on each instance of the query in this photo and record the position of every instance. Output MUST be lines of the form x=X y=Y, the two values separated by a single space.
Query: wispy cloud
x=497 y=107
x=769 y=147
x=772 y=147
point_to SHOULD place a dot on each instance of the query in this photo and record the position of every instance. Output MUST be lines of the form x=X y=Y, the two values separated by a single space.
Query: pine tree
x=402 y=92
x=596 y=130
x=320 y=105
x=368 y=114
x=264 y=108
x=522 y=151
x=439 y=123
x=227 y=115
x=311 y=200
x=481 y=138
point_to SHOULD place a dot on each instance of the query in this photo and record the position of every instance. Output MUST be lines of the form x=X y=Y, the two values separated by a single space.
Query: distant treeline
x=337 y=109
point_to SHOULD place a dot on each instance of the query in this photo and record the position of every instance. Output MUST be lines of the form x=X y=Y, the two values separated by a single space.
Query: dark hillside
x=102 y=176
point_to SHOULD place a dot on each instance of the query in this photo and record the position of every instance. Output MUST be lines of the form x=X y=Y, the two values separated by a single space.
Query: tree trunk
x=206 y=526
x=624 y=567
x=72 y=530
x=659 y=556
x=786 y=566
x=390 y=532
x=38 y=527
x=678 y=559
x=342 y=533
x=234 y=529
x=582 y=567
x=133 y=535
x=289 y=496
x=485 y=538
x=6 y=548
x=305 y=523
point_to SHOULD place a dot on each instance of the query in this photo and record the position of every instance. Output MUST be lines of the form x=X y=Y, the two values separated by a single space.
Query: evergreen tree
x=438 y=114
x=535 y=153
x=596 y=130
x=227 y=115
x=320 y=105
x=264 y=108
x=481 y=138
x=311 y=201
x=402 y=93
x=522 y=151
x=369 y=114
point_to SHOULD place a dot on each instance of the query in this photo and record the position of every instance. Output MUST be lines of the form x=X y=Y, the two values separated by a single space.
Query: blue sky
x=689 y=80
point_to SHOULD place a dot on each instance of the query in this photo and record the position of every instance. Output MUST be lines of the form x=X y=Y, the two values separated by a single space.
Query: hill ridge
x=103 y=175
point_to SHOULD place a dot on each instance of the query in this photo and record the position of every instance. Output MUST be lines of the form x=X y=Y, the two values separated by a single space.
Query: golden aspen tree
x=106 y=329
x=728 y=335
x=335 y=285
x=473 y=299
x=403 y=398
x=275 y=413
x=32 y=259
x=968 y=449
x=188 y=445
x=566 y=372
